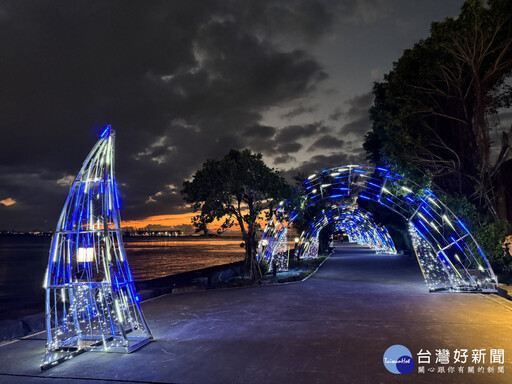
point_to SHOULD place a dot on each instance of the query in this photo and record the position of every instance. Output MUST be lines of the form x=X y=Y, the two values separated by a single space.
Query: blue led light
x=105 y=132
x=423 y=225
x=429 y=192
x=78 y=261
x=420 y=233
x=406 y=205
x=462 y=225
x=427 y=212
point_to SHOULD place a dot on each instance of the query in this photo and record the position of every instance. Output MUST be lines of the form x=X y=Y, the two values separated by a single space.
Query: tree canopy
x=436 y=108
x=238 y=187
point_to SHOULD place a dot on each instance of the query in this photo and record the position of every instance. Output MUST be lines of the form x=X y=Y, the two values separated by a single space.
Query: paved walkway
x=332 y=328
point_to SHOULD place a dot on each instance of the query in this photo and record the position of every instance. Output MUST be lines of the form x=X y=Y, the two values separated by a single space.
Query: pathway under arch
x=447 y=253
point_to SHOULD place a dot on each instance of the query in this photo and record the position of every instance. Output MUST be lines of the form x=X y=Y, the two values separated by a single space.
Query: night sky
x=183 y=81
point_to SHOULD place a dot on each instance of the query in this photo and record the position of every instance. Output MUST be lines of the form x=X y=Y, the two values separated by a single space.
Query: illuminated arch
x=356 y=223
x=448 y=255
x=91 y=303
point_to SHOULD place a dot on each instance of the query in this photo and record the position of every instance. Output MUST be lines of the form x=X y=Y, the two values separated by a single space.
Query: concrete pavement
x=332 y=328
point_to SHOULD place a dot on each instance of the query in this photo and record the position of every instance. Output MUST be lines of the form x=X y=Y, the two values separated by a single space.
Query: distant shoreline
x=191 y=236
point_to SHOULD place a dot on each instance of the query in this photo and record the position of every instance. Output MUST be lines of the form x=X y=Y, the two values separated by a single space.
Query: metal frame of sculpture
x=448 y=255
x=356 y=223
x=360 y=228
x=91 y=302
x=281 y=254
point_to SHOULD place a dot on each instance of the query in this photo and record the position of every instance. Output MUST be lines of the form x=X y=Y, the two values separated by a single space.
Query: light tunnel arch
x=448 y=255
x=355 y=222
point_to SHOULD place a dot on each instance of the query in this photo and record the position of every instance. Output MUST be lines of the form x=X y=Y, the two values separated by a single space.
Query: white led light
x=433 y=202
x=45 y=281
x=80 y=291
x=85 y=255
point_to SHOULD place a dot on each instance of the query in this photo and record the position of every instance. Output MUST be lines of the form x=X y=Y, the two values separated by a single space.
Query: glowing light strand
x=91 y=302
x=461 y=266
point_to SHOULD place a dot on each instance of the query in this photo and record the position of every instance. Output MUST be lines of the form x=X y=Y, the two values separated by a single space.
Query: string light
x=449 y=256
x=91 y=302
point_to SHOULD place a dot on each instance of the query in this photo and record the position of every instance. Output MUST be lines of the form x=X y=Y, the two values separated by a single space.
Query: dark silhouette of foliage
x=435 y=109
x=239 y=187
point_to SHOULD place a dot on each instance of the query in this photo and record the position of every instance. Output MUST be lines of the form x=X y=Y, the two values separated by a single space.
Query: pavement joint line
x=87 y=379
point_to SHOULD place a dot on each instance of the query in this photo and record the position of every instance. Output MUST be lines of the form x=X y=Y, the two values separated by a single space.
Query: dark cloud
x=337 y=113
x=282 y=159
x=359 y=126
x=301 y=109
x=286 y=140
x=294 y=132
x=289 y=147
x=261 y=131
x=180 y=82
x=359 y=105
x=321 y=162
x=358 y=114
x=327 y=142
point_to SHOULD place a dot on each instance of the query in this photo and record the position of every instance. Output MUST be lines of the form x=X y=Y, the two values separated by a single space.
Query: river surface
x=23 y=261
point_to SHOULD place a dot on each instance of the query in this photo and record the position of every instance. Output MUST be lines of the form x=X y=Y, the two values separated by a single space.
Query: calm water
x=23 y=263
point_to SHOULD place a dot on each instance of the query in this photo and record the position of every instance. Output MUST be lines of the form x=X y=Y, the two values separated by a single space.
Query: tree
x=200 y=224
x=436 y=107
x=238 y=187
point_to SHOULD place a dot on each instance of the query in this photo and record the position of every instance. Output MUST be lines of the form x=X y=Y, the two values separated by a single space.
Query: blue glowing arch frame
x=448 y=255
x=91 y=303
x=356 y=223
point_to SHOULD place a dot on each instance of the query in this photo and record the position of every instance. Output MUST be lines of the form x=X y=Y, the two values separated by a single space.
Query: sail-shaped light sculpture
x=91 y=303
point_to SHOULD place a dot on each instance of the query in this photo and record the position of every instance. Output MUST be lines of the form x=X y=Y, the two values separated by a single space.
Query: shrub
x=264 y=267
x=489 y=233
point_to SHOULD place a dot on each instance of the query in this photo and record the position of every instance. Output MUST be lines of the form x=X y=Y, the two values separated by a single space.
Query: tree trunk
x=250 y=252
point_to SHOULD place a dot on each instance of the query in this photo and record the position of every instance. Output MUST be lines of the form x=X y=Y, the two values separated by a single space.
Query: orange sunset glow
x=172 y=221
x=164 y=220
x=175 y=221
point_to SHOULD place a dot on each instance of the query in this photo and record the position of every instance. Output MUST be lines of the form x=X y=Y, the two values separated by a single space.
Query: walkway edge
x=316 y=269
